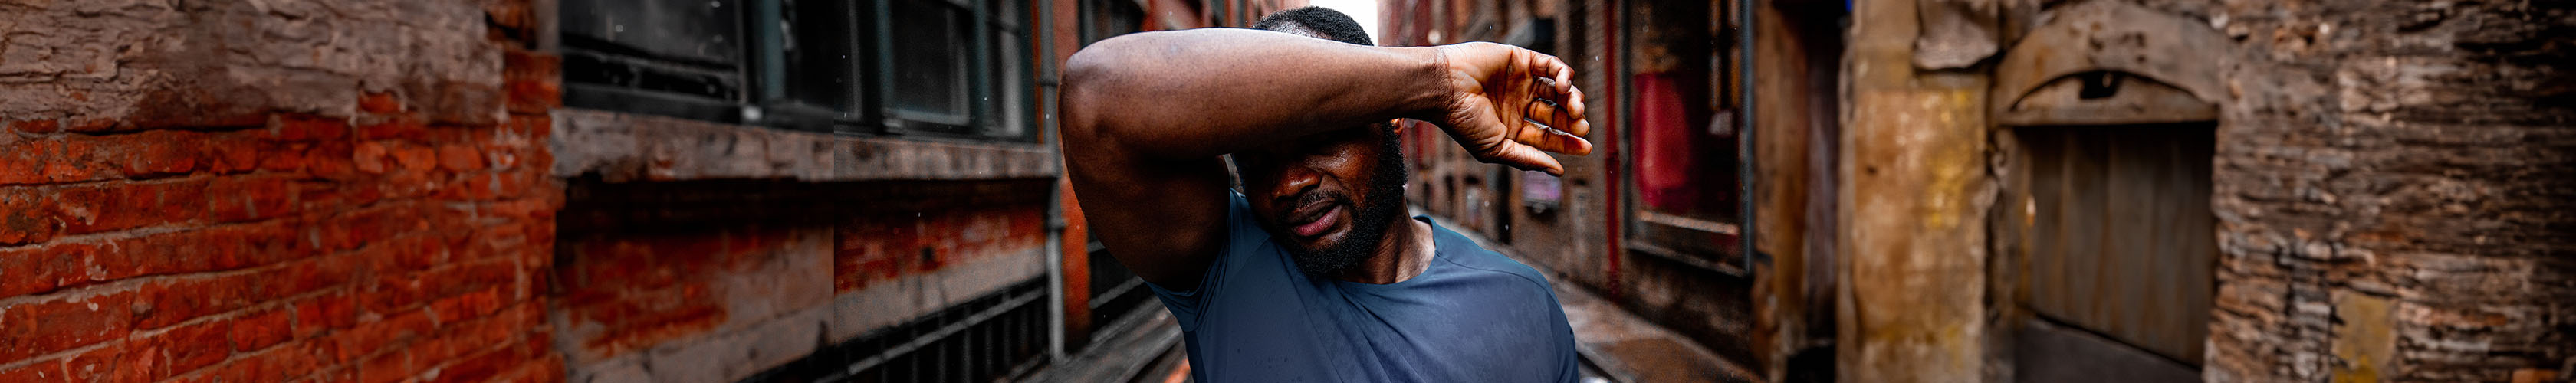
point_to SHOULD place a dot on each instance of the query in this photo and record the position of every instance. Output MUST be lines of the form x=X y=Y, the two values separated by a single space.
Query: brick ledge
x=622 y=147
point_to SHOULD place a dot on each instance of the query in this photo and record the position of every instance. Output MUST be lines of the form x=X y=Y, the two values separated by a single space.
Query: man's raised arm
x=1146 y=115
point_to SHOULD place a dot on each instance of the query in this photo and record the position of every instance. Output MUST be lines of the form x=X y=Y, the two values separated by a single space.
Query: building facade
x=582 y=190
x=2054 y=191
x=791 y=190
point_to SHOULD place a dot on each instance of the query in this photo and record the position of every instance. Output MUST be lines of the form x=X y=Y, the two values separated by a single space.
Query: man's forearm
x=1205 y=92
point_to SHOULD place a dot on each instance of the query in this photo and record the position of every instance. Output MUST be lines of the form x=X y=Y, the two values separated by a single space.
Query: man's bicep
x=1149 y=188
x=1163 y=220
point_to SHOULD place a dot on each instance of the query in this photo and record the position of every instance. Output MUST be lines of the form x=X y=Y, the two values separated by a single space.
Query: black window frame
x=766 y=81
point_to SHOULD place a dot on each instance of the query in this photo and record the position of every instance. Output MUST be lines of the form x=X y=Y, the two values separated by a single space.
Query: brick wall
x=721 y=280
x=273 y=191
x=2393 y=184
x=369 y=190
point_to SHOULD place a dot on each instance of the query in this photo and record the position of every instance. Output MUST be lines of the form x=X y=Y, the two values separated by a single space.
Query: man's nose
x=1293 y=181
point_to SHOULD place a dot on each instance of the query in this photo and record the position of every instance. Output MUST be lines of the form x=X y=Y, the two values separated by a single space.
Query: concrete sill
x=622 y=147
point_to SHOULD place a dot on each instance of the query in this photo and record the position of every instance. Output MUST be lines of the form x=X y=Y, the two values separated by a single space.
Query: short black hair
x=1323 y=21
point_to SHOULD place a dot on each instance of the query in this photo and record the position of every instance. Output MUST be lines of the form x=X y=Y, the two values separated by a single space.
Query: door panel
x=2120 y=241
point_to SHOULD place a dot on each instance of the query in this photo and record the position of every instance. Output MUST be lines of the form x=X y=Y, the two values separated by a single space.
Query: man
x=1307 y=273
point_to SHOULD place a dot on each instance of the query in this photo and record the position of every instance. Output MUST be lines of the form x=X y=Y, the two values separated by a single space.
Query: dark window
x=678 y=58
x=1103 y=19
x=819 y=54
x=1011 y=82
x=930 y=82
x=911 y=67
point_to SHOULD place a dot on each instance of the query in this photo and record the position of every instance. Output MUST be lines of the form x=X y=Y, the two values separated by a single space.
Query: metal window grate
x=993 y=337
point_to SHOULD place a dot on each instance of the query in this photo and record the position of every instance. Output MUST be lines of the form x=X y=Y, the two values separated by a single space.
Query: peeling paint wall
x=1913 y=306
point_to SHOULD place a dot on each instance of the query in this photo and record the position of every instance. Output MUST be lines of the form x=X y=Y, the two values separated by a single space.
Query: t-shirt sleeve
x=1241 y=235
x=1569 y=369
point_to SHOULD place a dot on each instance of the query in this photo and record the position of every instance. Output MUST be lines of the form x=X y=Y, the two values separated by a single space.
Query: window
x=1103 y=19
x=929 y=72
x=944 y=68
x=817 y=52
x=678 y=58
x=1684 y=169
x=1010 y=84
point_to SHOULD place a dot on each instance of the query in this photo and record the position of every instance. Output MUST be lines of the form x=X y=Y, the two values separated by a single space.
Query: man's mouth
x=1319 y=222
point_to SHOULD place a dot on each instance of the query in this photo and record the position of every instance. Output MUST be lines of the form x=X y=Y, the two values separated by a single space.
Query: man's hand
x=1510 y=106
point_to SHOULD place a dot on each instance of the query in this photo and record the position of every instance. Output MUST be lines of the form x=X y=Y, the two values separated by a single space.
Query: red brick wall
x=702 y=305
x=274 y=191
x=719 y=280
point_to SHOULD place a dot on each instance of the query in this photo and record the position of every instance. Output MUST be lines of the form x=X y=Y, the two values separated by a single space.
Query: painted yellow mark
x=1954 y=158
x=2362 y=342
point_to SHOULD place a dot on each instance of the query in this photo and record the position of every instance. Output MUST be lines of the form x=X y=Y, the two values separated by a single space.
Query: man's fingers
x=1543 y=65
x=1546 y=113
x=1543 y=138
x=1566 y=115
x=1568 y=143
x=1564 y=76
x=1524 y=157
x=1574 y=109
x=1578 y=130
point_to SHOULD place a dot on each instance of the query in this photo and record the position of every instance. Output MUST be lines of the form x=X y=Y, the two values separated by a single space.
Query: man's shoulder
x=1457 y=249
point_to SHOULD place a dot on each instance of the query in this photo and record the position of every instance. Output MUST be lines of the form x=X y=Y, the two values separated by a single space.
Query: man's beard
x=1368 y=223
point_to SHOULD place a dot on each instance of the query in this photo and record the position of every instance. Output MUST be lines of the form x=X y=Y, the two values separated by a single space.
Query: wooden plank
x=2120 y=242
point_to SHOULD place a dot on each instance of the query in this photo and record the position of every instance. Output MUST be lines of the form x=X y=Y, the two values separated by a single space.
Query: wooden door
x=2117 y=240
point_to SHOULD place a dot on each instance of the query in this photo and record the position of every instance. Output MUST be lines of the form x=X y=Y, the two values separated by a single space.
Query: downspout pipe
x=1745 y=177
x=1046 y=60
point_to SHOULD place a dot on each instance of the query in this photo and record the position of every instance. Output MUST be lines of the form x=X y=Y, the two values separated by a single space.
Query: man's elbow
x=1094 y=79
x=1103 y=63
x=1118 y=61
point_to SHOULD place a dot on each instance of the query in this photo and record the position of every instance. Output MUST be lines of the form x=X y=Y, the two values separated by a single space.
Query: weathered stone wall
x=1912 y=304
x=2396 y=191
x=273 y=191
x=2392 y=184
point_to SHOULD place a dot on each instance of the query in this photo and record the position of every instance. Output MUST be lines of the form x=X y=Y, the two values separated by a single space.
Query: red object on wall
x=1664 y=138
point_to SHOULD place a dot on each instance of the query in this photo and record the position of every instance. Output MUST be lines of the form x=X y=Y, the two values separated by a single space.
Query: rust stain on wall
x=885 y=246
x=641 y=290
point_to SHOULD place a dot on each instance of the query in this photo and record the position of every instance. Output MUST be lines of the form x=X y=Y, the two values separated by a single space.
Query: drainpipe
x=1744 y=138
x=1618 y=159
x=1045 y=56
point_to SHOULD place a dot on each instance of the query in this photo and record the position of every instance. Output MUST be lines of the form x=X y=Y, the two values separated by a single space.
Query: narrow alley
x=881 y=191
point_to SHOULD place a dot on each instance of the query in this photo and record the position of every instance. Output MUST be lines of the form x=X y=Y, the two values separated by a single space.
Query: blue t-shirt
x=1472 y=316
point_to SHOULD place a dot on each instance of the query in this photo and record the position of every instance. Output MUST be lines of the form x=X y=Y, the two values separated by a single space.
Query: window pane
x=930 y=57
x=678 y=58
x=1011 y=86
x=1110 y=18
x=695 y=31
x=818 y=53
